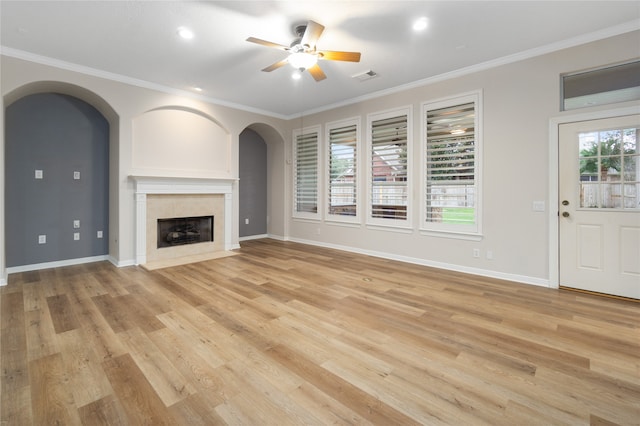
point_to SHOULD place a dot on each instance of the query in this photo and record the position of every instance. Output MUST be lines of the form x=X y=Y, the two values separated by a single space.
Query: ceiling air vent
x=364 y=76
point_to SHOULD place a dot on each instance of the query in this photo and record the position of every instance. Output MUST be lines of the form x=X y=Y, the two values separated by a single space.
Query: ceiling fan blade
x=267 y=43
x=276 y=65
x=332 y=55
x=312 y=34
x=317 y=73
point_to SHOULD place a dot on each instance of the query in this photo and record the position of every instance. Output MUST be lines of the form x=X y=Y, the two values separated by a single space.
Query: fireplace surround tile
x=178 y=196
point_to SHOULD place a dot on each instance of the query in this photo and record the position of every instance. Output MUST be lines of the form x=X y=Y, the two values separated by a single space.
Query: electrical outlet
x=489 y=255
x=76 y=236
x=42 y=239
x=76 y=175
x=476 y=252
x=99 y=234
x=76 y=223
x=38 y=174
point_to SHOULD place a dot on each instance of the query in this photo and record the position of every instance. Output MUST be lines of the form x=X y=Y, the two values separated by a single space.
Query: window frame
x=398 y=224
x=301 y=214
x=357 y=122
x=462 y=231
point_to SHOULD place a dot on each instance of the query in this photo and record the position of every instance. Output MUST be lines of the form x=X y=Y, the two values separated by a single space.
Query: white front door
x=599 y=203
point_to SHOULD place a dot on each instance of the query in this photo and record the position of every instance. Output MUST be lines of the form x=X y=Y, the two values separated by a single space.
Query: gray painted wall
x=59 y=135
x=253 y=184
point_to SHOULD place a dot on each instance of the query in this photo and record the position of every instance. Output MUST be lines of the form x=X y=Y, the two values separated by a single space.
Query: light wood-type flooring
x=285 y=333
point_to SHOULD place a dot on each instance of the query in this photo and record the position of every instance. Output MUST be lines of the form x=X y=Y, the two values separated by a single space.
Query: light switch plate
x=76 y=175
x=538 y=206
x=99 y=234
x=42 y=239
x=76 y=223
x=38 y=174
x=76 y=236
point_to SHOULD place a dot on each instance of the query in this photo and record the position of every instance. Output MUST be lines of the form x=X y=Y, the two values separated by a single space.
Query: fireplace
x=178 y=231
x=179 y=197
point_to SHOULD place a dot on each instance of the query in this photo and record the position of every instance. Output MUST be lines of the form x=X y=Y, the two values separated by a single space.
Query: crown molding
x=626 y=27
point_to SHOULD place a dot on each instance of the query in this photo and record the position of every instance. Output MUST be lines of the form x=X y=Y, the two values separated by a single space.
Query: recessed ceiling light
x=198 y=89
x=185 y=33
x=420 y=24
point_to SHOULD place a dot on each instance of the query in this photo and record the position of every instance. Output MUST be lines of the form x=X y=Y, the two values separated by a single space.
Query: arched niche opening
x=274 y=163
x=80 y=96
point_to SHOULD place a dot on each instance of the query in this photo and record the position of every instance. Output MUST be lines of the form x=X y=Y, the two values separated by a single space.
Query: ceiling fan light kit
x=303 y=53
x=302 y=60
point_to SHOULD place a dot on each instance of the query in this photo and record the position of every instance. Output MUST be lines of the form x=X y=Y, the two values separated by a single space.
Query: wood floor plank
x=85 y=374
x=96 y=331
x=201 y=374
x=287 y=333
x=62 y=314
x=51 y=396
x=41 y=335
x=104 y=411
x=166 y=380
x=136 y=395
x=194 y=411
x=365 y=404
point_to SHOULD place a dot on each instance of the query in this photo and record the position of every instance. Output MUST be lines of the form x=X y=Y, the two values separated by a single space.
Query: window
x=342 y=187
x=389 y=134
x=451 y=165
x=605 y=85
x=305 y=151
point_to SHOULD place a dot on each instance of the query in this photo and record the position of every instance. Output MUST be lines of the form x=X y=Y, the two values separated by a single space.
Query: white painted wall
x=520 y=99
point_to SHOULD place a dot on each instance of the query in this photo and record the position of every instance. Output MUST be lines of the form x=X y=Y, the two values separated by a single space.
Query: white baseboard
x=56 y=264
x=440 y=265
x=121 y=263
x=3 y=278
x=253 y=237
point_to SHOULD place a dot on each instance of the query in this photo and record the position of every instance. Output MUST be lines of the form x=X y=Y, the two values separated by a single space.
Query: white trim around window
x=343 y=153
x=306 y=173
x=451 y=167
x=389 y=168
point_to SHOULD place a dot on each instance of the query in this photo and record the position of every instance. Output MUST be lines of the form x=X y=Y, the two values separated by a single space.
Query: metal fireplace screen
x=184 y=230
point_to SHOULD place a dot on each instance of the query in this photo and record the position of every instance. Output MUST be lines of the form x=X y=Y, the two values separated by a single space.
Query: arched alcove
x=56 y=180
x=275 y=170
x=76 y=97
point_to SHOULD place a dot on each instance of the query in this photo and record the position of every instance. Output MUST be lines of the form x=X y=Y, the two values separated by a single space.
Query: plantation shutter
x=306 y=173
x=342 y=170
x=389 y=168
x=451 y=165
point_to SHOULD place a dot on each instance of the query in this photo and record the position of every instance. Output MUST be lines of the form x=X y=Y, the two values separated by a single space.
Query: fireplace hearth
x=184 y=230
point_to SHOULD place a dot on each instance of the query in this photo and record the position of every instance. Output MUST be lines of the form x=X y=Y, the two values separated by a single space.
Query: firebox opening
x=184 y=230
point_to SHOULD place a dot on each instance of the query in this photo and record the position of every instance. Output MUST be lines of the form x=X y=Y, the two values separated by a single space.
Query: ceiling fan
x=303 y=53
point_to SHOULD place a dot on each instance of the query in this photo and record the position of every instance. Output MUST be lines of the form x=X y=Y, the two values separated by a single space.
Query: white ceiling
x=137 y=42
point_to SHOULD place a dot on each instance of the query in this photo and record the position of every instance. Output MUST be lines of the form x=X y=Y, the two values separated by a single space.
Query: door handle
x=565 y=214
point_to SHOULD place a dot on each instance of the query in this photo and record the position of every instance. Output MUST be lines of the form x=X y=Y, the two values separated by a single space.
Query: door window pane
x=609 y=169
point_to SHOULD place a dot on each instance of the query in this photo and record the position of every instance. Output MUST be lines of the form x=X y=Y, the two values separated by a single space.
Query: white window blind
x=451 y=189
x=343 y=154
x=389 y=168
x=306 y=172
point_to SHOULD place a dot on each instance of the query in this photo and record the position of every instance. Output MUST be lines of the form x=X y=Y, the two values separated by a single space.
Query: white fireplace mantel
x=178 y=185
